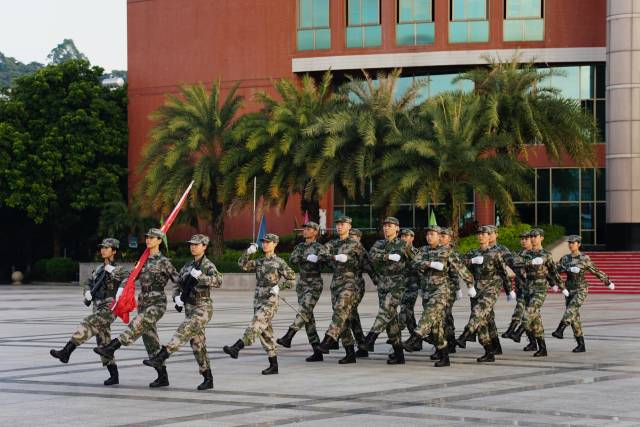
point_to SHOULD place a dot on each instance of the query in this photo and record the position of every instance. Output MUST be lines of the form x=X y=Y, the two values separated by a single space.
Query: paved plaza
x=597 y=388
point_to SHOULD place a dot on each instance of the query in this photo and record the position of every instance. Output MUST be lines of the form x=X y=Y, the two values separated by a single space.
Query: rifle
x=98 y=282
x=187 y=285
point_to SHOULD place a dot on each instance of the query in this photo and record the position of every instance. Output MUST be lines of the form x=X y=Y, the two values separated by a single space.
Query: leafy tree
x=65 y=51
x=64 y=143
x=10 y=69
x=187 y=143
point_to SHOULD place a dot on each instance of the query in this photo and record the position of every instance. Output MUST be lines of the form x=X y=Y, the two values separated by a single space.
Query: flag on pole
x=432 y=218
x=262 y=230
x=127 y=301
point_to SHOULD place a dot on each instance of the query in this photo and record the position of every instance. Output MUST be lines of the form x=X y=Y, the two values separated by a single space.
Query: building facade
x=593 y=42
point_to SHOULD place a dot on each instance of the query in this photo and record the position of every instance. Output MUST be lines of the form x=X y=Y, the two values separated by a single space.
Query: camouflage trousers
x=354 y=322
x=96 y=324
x=260 y=326
x=449 y=324
x=387 y=318
x=193 y=330
x=532 y=316
x=482 y=315
x=308 y=293
x=343 y=300
x=572 y=312
x=432 y=319
x=144 y=324
x=493 y=330
x=518 y=311
x=406 y=313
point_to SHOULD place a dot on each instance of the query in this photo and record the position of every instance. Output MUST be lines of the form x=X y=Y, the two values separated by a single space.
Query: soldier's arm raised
x=288 y=275
x=247 y=264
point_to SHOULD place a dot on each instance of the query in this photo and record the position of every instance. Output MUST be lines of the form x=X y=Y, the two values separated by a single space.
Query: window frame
x=312 y=29
x=362 y=26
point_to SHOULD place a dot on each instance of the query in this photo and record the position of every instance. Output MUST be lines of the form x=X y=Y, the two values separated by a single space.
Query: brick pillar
x=485 y=210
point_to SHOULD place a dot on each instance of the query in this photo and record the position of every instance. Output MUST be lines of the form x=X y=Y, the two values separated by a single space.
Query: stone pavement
x=597 y=388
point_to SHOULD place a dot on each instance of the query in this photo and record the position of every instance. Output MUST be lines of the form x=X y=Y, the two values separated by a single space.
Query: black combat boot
x=512 y=327
x=517 y=334
x=208 y=380
x=370 y=341
x=462 y=339
x=327 y=344
x=580 y=348
x=361 y=352
x=113 y=379
x=234 y=349
x=414 y=343
x=108 y=350
x=497 y=348
x=532 y=343
x=542 y=348
x=157 y=360
x=163 y=378
x=350 y=357
x=273 y=366
x=437 y=355
x=397 y=357
x=285 y=341
x=488 y=356
x=473 y=337
x=64 y=354
x=444 y=359
x=428 y=339
x=559 y=332
x=316 y=356
x=451 y=346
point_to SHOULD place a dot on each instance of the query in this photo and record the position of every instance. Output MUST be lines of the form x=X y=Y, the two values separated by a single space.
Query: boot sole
x=283 y=344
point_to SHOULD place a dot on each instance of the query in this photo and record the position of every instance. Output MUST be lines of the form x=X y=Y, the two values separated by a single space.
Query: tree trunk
x=310 y=204
x=217 y=224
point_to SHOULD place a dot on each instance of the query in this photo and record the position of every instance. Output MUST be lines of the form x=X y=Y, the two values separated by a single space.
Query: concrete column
x=623 y=124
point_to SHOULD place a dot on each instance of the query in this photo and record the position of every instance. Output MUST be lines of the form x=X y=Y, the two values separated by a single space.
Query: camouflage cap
x=270 y=237
x=311 y=224
x=484 y=229
x=155 y=232
x=491 y=228
x=407 y=232
x=198 y=238
x=433 y=228
x=345 y=219
x=391 y=220
x=446 y=231
x=525 y=234
x=355 y=232
x=536 y=232
x=574 y=238
x=110 y=242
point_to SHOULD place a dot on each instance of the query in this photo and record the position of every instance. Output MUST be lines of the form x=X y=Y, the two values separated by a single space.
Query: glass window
x=601 y=222
x=542 y=188
x=523 y=9
x=600 y=185
x=468 y=21
x=415 y=22
x=544 y=217
x=523 y=20
x=564 y=184
x=587 y=237
x=566 y=214
x=526 y=212
x=467 y=10
x=587 y=216
x=588 y=184
x=363 y=28
x=313 y=25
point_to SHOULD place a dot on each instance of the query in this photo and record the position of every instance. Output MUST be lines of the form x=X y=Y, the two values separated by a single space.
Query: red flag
x=127 y=301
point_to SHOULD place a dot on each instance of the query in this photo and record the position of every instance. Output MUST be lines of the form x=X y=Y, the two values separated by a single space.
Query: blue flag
x=262 y=230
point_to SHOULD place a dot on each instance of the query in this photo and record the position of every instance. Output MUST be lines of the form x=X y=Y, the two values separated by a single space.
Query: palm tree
x=518 y=103
x=272 y=147
x=187 y=143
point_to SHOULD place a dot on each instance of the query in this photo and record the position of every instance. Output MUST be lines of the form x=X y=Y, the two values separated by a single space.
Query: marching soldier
x=307 y=256
x=406 y=312
x=490 y=274
x=541 y=272
x=100 y=290
x=347 y=257
x=446 y=234
x=152 y=304
x=356 y=325
x=521 y=286
x=576 y=264
x=269 y=269
x=389 y=257
x=193 y=292
x=433 y=262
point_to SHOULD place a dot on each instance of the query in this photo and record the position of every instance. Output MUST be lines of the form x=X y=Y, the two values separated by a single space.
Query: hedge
x=55 y=270
x=510 y=236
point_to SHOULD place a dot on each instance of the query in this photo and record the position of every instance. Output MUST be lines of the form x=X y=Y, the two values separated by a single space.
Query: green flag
x=164 y=239
x=432 y=218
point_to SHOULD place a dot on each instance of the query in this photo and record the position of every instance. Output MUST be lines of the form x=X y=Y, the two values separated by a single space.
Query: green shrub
x=55 y=270
x=510 y=236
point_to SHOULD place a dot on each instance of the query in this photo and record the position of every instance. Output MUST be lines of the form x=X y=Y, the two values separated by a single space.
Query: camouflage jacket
x=111 y=282
x=269 y=271
x=521 y=276
x=345 y=274
x=492 y=273
x=210 y=278
x=155 y=275
x=540 y=277
x=582 y=261
x=433 y=280
x=411 y=274
x=308 y=270
x=454 y=275
x=382 y=265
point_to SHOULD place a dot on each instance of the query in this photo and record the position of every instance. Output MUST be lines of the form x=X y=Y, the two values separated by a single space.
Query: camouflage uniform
x=198 y=312
x=521 y=288
x=269 y=271
x=308 y=287
x=355 y=324
x=406 y=312
x=390 y=277
x=99 y=322
x=578 y=287
x=152 y=303
x=454 y=287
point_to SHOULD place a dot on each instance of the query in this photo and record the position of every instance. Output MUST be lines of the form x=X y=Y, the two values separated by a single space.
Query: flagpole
x=253 y=220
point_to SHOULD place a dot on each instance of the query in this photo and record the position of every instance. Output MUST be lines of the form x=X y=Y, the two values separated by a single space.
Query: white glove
x=437 y=265
x=575 y=270
x=394 y=257
x=341 y=258
x=612 y=286
x=87 y=295
x=312 y=258
x=555 y=288
x=459 y=294
x=472 y=292
x=252 y=249
x=119 y=293
x=565 y=293
x=511 y=296
x=178 y=301
x=537 y=261
x=109 y=268
x=477 y=260
x=275 y=290
x=195 y=273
